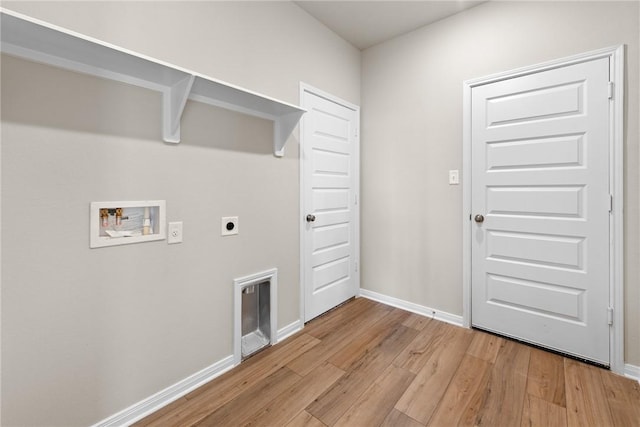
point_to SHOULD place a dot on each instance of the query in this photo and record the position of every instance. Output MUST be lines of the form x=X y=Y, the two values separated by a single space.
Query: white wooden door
x=540 y=179
x=329 y=166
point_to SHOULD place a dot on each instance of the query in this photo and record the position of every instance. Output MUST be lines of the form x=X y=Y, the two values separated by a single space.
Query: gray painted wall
x=412 y=135
x=88 y=332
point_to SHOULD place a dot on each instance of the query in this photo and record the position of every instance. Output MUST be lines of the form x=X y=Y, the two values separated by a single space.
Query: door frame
x=616 y=180
x=304 y=87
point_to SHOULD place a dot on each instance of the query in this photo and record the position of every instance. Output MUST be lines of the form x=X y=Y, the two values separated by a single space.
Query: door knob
x=479 y=218
x=311 y=218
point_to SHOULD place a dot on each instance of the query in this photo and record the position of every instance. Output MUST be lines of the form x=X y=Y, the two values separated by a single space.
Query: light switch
x=454 y=177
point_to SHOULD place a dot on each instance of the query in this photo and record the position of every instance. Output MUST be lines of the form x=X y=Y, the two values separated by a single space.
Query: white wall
x=412 y=136
x=86 y=333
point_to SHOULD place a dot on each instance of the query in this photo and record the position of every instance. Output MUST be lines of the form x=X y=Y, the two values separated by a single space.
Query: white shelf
x=39 y=41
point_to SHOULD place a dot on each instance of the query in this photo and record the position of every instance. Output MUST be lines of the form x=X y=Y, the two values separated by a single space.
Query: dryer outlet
x=229 y=225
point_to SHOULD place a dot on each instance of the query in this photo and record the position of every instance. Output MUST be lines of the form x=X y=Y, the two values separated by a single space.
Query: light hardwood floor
x=367 y=364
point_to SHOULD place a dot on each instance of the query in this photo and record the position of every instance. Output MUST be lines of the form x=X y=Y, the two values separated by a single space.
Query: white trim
x=301 y=212
x=616 y=346
x=443 y=316
x=632 y=371
x=289 y=330
x=153 y=403
x=164 y=397
x=238 y=285
x=616 y=53
x=304 y=87
x=545 y=66
x=466 y=205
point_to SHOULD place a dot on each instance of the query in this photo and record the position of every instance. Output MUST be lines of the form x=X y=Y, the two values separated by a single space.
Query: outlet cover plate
x=174 y=232
x=229 y=225
x=454 y=177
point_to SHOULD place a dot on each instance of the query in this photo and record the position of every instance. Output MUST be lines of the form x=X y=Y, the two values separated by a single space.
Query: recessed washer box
x=125 y=222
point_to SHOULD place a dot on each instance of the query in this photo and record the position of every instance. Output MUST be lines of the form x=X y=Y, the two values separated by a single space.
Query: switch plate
x=454 y=177
x=229 y=225
x=174 y=232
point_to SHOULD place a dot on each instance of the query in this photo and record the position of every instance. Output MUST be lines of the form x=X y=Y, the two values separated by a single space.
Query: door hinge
x=356 y=266
x=610 y=315
x=610 y=202
x=610 y=90
x=355 y=198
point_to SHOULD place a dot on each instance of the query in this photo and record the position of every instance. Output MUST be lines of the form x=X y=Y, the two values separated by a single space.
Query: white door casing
x=542 y=159
x=329 y=173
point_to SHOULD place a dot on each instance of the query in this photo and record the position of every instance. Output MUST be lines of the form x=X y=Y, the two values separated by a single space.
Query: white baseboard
x=289 y=330
x=632 y=371
x=153 y=403
x=443 y=316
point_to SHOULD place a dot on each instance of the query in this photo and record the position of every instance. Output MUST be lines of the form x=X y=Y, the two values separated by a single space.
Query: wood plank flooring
x=367 y=364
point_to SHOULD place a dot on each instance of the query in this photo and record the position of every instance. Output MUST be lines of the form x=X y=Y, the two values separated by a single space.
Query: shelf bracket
x=282 y=128
x=39 y=41
x=174 y=99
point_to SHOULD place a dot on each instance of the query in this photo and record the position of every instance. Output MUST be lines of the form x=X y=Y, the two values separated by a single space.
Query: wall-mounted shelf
x=39 y=41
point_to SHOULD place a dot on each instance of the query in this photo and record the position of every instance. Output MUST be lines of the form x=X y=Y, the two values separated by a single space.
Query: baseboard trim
x=289 y=330
x=632 y=371
x=152 y=403
x=443 y=316
x=164 y=397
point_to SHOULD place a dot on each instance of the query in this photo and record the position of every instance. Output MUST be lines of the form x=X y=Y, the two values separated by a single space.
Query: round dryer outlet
x=229 y=225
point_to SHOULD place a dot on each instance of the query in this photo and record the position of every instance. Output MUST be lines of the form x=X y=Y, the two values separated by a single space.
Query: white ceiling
x=366 y=23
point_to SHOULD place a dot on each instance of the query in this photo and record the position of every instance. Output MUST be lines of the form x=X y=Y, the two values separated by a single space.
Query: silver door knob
x=479 y=218
x=311 y=218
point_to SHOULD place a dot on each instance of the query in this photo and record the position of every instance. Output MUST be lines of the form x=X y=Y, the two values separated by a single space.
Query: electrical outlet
x=229 y=225
x=174 y=233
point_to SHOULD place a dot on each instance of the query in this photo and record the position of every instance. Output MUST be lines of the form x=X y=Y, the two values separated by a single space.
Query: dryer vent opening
x=255 y=323
x=255 y=318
